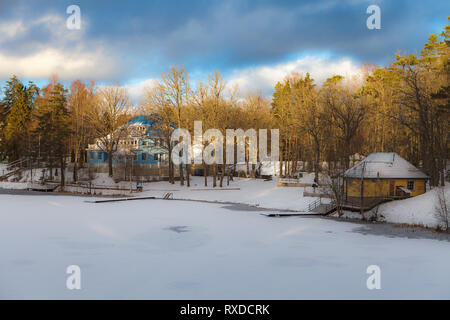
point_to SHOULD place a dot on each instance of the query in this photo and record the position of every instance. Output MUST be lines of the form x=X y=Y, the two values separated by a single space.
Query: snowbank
x=416 y=211
x=13 y=185
x=419 y=210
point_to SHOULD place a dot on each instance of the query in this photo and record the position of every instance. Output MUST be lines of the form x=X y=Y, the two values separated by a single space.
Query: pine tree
x=53 y=127
x=15 y=118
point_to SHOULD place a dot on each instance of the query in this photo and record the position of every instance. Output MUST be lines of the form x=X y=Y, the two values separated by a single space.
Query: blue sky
x=254 y=43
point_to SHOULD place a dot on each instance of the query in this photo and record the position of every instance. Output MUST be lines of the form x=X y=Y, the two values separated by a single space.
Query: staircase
x=168 y=196
x=14 y=168
x=321 y=208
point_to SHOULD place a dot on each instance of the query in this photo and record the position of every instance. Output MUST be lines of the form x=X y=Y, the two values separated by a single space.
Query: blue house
x=143 y=144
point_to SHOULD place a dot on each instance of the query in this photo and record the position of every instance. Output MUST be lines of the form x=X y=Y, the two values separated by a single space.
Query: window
x=91 y=155
x=156 y=157
x=99 y=156
x=349 y=182
x=410 y=184
x=144 y=157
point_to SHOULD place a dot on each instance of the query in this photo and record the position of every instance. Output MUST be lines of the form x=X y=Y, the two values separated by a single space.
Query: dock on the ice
x=120 y=199
x=289 y=214
x=46 y=187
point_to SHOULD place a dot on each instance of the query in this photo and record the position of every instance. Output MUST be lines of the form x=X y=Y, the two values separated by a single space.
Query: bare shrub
x=332 y=184
x=442 y=208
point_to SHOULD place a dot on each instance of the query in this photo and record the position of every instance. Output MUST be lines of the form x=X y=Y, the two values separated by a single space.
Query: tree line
x=401 y=108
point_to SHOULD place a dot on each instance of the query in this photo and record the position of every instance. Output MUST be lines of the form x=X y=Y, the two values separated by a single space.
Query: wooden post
x=362 y=191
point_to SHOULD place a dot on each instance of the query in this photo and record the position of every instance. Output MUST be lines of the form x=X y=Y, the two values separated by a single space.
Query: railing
x=314 y=204
x=16 y=163
x=288 y=180
x=329 y=207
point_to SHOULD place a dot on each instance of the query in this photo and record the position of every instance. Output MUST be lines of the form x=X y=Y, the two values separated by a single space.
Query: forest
x=403 y=108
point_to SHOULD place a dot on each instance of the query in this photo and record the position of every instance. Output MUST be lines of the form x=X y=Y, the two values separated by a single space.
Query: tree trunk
x=362 y=194
x=281 y=164
x=75 y=172
x=171 y=174
x=63 y=176
x=316 y=171
x=221 y=176
x=188 y=179
x=180 y=168
x=75 y=167
x=204 y=173
x=110 y=164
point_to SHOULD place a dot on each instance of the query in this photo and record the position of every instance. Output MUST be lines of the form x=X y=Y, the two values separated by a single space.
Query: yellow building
x=384 y=175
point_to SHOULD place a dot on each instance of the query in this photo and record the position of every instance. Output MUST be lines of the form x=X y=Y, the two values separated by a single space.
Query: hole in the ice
x=178 y=229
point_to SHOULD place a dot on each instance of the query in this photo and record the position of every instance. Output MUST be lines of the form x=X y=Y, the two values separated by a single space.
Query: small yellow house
x=384 y=175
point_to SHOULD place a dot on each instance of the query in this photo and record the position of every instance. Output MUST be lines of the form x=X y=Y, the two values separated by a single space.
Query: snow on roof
x=385 y=165
x=141 y=120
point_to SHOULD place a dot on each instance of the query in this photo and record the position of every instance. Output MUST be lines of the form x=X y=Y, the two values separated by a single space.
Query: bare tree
x=175 y=86
x=442 y=208
x=332 y=184
x=347 y=111
x=79 y=104
x=155 y=104
x=109 y=116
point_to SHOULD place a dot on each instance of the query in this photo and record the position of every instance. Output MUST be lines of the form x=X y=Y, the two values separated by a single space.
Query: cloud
x=10 y=29
x=42 y=46
x=125 y=40
x=266 y=76
x=136 y=90
x=67 y=65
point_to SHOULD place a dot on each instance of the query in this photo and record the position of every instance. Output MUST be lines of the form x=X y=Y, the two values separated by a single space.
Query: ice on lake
x=155 y=249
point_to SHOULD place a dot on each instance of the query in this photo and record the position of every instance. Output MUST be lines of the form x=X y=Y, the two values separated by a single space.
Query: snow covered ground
x=417 y=211
x=156 y=249
x=255 y=192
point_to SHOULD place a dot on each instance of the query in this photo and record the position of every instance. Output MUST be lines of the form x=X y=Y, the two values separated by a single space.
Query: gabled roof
x=149 y=120
x=385 y=165
x=142 y=120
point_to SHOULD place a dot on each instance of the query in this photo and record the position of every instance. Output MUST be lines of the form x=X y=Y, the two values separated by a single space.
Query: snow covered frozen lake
x=156 y=249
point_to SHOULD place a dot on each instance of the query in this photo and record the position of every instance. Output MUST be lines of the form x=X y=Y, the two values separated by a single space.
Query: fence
x=124 y=172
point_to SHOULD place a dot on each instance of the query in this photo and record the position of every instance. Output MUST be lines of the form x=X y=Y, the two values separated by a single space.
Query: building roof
x=149 y=120
x=141 y=120
x=385 y=165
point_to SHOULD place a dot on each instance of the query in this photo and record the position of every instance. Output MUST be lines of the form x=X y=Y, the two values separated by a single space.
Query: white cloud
x=66 y=64
x=265 y=77
x=136 y=90
x=67 y=54
x=10 y=29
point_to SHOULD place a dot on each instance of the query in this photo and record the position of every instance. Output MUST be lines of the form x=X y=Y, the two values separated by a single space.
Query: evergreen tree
x=53 y=126
x=15 y=118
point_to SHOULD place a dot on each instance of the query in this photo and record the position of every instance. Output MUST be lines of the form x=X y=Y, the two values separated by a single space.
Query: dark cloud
x=150 y=35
